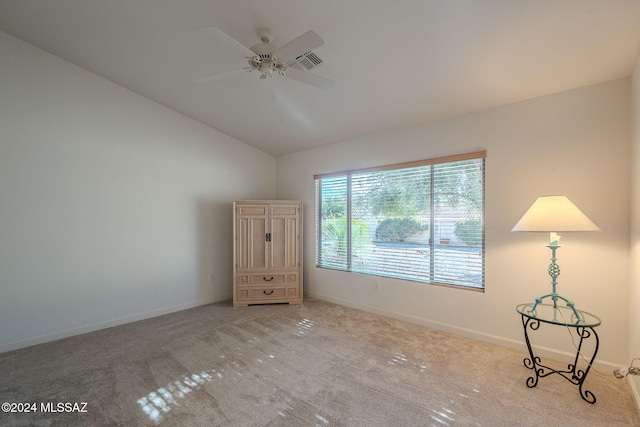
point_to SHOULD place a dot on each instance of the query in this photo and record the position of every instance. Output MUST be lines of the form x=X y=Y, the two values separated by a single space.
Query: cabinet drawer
x=266 y=293
x=267 y=279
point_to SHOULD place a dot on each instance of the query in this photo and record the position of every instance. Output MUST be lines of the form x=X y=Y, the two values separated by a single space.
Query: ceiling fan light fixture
x=266 y=65
x=266 y=70
x=279 y=66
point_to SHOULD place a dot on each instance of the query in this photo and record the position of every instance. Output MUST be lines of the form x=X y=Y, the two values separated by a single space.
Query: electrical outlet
x=376 y=285
x=212 y=277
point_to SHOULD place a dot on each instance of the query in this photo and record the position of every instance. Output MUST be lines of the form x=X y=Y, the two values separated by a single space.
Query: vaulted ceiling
x=394 y=62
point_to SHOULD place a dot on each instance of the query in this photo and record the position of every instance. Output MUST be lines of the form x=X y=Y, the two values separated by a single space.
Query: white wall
x=634 y=287
x=112 y=207
x=575 y=143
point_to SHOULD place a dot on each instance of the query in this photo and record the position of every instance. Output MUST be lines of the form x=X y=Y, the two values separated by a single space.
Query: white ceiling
x=395 y=62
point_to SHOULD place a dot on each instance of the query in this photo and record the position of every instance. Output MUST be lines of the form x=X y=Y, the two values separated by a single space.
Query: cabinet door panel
x=284 y=210
x=252 y=245
x=284 y=240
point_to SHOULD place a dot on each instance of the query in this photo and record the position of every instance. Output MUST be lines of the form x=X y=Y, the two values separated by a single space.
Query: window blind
x=421 y=221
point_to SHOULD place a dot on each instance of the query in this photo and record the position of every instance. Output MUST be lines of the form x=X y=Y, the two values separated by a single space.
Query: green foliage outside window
x=470 y=231
x=334 y=235
x=397 y=229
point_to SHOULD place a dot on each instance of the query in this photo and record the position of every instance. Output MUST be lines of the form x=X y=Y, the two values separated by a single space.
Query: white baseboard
x=635 y=391
x=28 y=342
x=518 y=345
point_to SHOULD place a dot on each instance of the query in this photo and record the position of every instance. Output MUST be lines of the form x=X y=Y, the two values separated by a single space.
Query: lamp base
x=554 y=272
x=555 y=297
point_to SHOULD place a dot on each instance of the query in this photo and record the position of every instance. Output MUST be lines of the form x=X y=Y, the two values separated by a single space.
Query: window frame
x=348 y=174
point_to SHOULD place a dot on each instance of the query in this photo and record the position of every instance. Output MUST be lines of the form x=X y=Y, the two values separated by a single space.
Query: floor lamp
x=554 y=214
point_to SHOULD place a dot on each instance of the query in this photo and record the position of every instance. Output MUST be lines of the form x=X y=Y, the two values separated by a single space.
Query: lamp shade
x=554 y=214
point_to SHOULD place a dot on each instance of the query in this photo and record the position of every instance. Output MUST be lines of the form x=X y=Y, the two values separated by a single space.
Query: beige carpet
x=318 y=364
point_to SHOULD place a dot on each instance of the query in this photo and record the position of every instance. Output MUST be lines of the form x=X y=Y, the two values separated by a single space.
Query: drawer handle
x=267 y=280
x=268 y=293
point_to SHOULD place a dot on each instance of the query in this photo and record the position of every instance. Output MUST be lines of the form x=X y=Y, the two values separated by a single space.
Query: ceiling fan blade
x=207 y=79
x=299 y=46
x=226 y=40
x=310 y=79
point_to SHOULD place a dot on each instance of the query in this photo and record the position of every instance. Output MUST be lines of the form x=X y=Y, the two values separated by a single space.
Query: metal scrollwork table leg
x=572 y=373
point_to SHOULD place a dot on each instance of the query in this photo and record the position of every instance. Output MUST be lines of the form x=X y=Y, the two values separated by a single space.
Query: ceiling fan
x=292 y=60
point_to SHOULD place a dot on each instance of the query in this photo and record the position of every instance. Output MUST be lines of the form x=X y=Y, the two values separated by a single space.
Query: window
x=421 y=221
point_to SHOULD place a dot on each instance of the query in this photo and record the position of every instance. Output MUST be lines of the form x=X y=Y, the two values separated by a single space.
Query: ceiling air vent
x=305 y=62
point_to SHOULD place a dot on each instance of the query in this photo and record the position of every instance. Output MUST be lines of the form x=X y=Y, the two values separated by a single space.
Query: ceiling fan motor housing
x=263 y=49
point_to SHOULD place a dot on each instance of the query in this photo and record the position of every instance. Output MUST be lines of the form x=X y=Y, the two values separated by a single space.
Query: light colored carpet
x=318 y=364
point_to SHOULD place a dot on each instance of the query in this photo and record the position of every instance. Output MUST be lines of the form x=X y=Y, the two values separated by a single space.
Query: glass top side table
x=561 y=316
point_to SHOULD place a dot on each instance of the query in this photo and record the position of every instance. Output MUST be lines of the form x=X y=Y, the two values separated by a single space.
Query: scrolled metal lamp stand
x=554 y=272
x=572 y=374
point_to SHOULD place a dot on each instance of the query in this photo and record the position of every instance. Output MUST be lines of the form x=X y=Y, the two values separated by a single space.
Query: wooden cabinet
x=267 y=252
